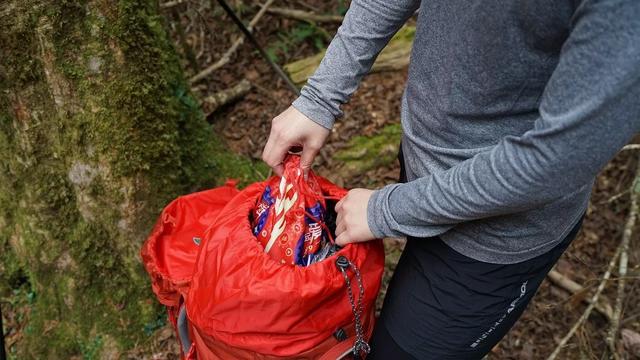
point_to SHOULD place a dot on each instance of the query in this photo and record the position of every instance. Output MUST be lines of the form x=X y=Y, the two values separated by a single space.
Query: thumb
x=342 y=240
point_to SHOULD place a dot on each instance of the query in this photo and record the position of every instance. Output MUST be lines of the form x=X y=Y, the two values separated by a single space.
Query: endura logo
x=512 y=306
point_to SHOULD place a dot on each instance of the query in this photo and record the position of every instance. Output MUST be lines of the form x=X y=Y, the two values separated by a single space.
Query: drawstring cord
x=360 y=346
x=322 y=224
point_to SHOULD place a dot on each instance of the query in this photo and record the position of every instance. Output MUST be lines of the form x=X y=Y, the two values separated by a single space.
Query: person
x=509 y=112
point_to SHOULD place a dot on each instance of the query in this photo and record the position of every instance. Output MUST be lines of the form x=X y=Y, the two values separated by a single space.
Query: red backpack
x=228 y=299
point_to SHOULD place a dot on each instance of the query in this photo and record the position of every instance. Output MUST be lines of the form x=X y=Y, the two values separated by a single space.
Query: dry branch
x=305 y=15
x=573 y=287
x=170 y=4
x=624 y=261
x=227 y=96
x=631 y=147
x=226 y=57
x=587 y=312
x=622 y=249
x=395 y=56
x=615 y=197
x=188 y=50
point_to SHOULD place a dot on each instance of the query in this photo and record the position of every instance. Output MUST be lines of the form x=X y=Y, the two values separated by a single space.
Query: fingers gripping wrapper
x=289 y=217
x=241 y=302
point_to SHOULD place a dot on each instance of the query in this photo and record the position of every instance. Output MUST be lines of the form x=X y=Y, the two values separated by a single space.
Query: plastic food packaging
x=289 y=218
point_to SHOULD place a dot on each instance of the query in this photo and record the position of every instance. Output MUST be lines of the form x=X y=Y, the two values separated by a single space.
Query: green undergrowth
x=364 y=153
x=292 y=39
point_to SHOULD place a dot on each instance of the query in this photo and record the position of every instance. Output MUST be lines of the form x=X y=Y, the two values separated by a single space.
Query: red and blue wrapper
x=289 y=216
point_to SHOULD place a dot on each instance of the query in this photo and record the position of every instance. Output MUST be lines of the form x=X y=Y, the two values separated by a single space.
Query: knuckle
x=313 y=146
x=285 y=135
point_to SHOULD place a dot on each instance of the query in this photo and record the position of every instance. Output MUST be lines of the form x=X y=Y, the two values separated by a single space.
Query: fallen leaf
x=631 y=341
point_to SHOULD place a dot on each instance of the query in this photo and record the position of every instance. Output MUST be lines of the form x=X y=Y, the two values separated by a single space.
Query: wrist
x=379 y=219
x=312 y=109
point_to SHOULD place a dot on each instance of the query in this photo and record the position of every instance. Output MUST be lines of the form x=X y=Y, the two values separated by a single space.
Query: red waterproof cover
x=243 y=304
x=170 y=251
x=243 y=298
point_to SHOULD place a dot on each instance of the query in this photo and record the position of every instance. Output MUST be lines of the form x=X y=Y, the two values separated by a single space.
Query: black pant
x=443 y=305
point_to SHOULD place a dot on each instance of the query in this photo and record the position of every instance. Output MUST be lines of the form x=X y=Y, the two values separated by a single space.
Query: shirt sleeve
x=367 y=27
x=588 y=111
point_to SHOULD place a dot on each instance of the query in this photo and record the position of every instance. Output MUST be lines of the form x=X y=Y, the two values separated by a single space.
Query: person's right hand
x=293 y=129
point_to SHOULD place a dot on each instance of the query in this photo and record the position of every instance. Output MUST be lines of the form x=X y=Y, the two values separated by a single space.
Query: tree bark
x=98 y=132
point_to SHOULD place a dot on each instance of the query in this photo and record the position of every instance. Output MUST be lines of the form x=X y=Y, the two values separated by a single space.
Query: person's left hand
x=351 y=224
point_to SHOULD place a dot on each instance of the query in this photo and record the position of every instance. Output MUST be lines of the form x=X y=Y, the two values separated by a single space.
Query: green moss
x=91 y=350
x=246 y=171
x=364 y=153
x=83 y=176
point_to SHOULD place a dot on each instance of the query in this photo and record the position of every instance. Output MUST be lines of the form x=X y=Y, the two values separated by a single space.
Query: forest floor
x=244 y=125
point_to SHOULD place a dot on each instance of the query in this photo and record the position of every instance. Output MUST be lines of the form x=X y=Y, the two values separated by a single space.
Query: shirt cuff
x=314 y=111
x=379 y=218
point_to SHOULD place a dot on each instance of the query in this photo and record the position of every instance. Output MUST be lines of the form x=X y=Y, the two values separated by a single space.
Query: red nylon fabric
x=206 y=348
x=239 y=298
x=169 y=252
x=242 y=297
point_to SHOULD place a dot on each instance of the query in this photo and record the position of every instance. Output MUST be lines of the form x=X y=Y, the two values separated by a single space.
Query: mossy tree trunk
x=97 y=133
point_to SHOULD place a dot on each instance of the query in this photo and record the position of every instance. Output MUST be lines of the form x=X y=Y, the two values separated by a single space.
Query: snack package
x=289 y=216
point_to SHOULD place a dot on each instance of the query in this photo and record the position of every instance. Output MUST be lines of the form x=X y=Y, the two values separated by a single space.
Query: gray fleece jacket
x=510 y=110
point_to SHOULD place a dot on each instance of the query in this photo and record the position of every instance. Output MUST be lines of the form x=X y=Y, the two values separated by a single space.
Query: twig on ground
x=227 y=96
x=226 y=57
x=188 y=50
x=204 y=27
x=170 y=4
x=587 y=312
x=268 y=93
x=614 y=197
x=622 y=248
x=623 y=265
x=573 y=287
x=631 y=147
x=630 y=318
x=201 y=51
x=308 y=6
x=305 y=15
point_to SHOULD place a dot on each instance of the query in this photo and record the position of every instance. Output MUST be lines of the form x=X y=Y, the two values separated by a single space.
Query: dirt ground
x=244 y=126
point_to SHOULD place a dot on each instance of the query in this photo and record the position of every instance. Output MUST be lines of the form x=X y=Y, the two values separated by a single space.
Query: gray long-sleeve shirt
x=510 y=110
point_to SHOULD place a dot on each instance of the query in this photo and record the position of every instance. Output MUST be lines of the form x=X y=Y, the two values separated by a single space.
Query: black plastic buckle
x=342 y=262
